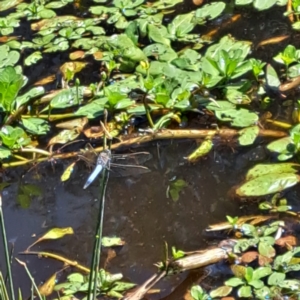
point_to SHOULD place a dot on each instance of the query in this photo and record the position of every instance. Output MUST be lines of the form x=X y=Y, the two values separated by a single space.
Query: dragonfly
x=122 y=164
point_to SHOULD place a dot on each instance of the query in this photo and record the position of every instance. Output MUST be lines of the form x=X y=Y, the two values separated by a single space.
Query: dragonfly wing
x=119 y=170
x=94 y=174
x=132 y=158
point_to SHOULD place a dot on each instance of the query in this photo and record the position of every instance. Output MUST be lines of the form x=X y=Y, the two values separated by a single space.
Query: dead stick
x=160 y=135
x=142 y=290
x=67 y=261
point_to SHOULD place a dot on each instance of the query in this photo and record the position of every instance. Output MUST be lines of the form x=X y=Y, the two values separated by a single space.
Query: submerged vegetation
x=149 y=69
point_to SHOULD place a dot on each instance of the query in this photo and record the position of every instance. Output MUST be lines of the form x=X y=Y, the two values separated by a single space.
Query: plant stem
x=159 y=135
x=94 y=274
x=147 y=108
x=31 y=278
x=7 y=257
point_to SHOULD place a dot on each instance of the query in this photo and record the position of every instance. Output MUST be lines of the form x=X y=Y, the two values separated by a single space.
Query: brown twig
x=158 y=135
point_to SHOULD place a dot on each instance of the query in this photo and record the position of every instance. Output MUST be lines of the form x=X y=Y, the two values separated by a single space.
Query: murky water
x=137 y=209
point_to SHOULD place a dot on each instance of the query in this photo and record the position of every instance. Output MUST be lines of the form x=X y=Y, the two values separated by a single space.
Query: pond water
x=137 y=208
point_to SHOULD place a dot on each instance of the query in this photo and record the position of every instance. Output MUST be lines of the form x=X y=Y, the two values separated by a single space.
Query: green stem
x=31 y=278
x=7 y=257
x=94 y=274
x=52 y=118
x=147 y=109
x=34 y=150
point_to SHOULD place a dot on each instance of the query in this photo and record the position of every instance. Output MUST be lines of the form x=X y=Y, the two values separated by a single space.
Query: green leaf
x=34 y=92
x=275 y=278
x=158 y=34
x=262 y=272
x=245 y=292
x=264 y=4
x=222 y=291
x=238 y=117
x=33 y=58
x=36 y=126
x=93 y=109
x=293 y=285
x=210 y=11
x=10 y=84
x=272 y=78
x=8 y=58
x=66 y=98
x=284 y=147
x=267 y=184
x=181 y=25
x=265 y=169
x=4 y=152
x=14 y=137
x=248 y=135
x=266 y=249
x=234 y=282
x=7 y=4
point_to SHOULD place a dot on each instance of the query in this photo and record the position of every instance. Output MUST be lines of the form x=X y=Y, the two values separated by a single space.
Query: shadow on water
x=137 y=209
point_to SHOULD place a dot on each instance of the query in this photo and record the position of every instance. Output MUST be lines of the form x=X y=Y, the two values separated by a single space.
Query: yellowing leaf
x=112 y=241
x=47 y=288
x=53 y=234
x=67 y=173
x=69 y=69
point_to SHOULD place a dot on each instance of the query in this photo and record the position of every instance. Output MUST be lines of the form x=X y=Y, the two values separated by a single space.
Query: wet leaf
x=284 y=147
x=112 y=241
x=210 y=11
x=64 y=136
x=261 y=272
x=238 y=117
x=158 y=34
x=275 y=278
x=266 y=249
x=68 y=172
x=77 y=55
x=234 y=282
x=36 y=126
x=245 y=292
x=205 y=147
x=66 y=98
x=78 y=123
x=272 y=78
x=47 y=288
x=238 y=270
x=33 y=58
x=267 y=184
x=265 y=169
x=57 y=22
x=53 y=234
x=10 y=84
x=222 y=291
x=57 y=233
x=175 y=188
x=93 y=109
x=32 y=93
x=71 y=68
x=4 y=152
x=7 y=4
x=290 y=284
x=248 y=135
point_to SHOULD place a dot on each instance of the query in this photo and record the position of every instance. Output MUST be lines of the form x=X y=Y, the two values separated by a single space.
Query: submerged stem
x=7 y=257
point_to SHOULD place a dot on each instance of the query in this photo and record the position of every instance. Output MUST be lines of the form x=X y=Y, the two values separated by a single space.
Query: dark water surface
x=137 y=209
